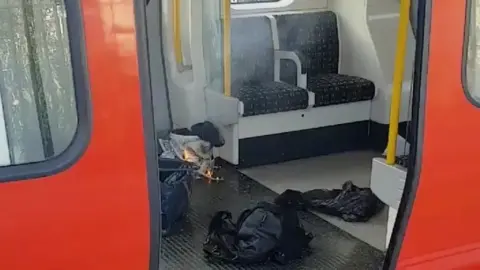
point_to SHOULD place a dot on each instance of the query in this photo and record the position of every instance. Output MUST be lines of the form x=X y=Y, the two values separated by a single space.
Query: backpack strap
x=221 y=223
x=294 y=238
x=221 y=228
x=241 y=218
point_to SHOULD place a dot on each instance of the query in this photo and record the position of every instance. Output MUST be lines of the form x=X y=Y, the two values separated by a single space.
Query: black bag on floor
x=351 y=203
x=176 y=180
x=265 y=232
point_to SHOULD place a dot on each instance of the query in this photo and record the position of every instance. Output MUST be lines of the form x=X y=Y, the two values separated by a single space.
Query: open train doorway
x=79 y=153
x=299 y=94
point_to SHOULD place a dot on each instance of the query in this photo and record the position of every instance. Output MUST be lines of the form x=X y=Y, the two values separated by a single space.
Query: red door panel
x=443 y=229
x=95 y=214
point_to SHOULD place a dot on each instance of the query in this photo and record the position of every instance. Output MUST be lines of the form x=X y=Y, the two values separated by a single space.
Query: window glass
x=472 y=65
x=259 y=4
x=212 y=44
x=38 y=115
x=253 y=1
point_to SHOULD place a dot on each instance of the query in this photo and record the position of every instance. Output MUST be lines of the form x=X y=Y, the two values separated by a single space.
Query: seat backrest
x=251 y=50
x=315 y=36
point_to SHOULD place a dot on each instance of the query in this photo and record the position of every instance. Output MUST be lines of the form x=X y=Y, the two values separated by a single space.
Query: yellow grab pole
x=226 y=49
x=402 y=35
x=177 y=33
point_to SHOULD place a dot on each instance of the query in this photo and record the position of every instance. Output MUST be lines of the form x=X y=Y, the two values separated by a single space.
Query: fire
x=188 y=156
x=205 y=166
x=209 y=174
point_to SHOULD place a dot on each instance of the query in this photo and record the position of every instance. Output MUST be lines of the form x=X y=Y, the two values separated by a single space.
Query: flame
x=188 y=156
x=209 y=174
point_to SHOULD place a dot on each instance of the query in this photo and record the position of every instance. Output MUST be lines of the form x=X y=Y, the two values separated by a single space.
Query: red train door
x=442 y=229
x=74 y=187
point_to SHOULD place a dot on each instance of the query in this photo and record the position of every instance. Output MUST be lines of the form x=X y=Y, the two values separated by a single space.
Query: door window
x=472 y=51
x=38 y=116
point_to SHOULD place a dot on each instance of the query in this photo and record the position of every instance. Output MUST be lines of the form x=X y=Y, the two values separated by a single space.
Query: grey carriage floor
x=328 y=172
x=331 y=248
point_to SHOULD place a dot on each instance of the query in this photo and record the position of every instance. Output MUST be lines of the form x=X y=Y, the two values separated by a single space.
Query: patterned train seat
x=314 y=37
x=252 y=70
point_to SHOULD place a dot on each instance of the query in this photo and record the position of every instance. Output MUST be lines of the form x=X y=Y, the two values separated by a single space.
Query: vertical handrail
x=399 y=69
x=177 y=33
x=227 y=77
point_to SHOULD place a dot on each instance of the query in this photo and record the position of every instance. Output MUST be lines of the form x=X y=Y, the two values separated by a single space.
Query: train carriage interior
x=251 y=99
x=301 y=92
x=126 y=126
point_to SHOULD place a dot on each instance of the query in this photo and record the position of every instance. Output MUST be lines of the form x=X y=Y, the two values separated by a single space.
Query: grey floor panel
x=328 y=172
x=331 y=248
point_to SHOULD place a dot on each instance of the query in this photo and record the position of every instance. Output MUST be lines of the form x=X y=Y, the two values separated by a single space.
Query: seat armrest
x=304 y=60
x=293 y=56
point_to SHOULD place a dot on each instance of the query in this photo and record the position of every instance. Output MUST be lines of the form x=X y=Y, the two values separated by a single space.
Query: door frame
x=149 y=131
x=422 y=35
x=459 y=253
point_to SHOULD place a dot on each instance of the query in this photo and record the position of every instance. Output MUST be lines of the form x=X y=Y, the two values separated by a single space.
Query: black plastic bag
x=176 y=189
x=351 y=203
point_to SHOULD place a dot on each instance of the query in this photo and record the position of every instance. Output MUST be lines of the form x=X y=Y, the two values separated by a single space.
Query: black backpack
x=265 y=232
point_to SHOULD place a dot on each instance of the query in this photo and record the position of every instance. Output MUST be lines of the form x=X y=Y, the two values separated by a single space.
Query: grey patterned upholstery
x=252 y=70
x=331 y=89
x=272 y=97
x=314 y=37
x=251 y=50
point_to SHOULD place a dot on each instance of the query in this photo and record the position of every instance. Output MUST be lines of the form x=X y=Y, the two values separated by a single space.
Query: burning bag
x=192 y=150
x=184 y=156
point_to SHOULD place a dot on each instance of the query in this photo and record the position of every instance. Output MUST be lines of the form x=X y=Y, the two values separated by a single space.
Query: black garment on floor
x=265 y=232
x=208 y=132
x=351 y=203
x=292 y=198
